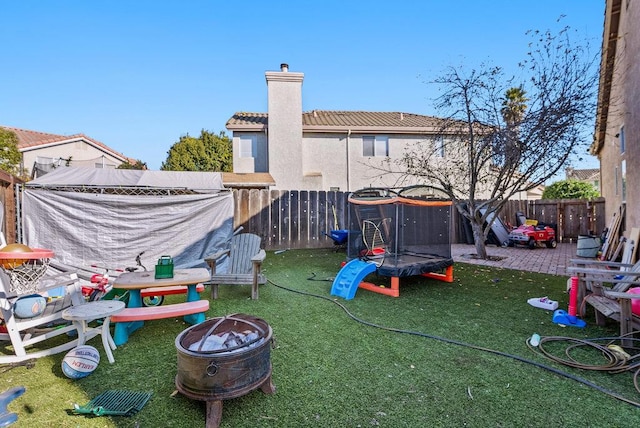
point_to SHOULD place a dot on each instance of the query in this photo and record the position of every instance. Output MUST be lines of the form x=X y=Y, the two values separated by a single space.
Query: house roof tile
x=329 y=120
x=583 y=174
x=28 y=139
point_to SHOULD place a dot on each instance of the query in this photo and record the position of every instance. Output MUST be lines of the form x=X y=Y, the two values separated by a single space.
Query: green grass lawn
x=442 y=354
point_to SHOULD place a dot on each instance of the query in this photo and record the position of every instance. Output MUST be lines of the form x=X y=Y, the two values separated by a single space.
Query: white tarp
x=109 y=229
x=67 y=176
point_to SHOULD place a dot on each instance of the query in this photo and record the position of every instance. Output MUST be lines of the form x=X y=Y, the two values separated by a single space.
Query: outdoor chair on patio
x=594 y=266
x=245 y=263
x=604 y=285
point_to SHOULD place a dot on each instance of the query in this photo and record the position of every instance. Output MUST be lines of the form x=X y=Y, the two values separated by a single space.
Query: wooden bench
x=147 y=313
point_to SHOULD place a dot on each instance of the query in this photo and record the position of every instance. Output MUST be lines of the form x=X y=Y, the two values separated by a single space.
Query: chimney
x=284 y=145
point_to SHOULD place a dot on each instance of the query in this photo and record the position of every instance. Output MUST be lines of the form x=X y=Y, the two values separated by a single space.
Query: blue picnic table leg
x=193 y=296
x=122 y=330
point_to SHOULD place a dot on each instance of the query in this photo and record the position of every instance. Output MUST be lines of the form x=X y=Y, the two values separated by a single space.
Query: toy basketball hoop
x=25 y=268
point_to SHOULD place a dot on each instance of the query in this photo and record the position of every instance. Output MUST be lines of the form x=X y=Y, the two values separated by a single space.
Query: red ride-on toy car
x=532 y=236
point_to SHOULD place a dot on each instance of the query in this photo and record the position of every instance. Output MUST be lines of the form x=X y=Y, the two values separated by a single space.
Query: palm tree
x=513 y=109
x=513 y=106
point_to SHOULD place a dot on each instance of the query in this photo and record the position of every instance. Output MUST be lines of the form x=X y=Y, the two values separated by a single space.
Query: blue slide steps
x=346 y=282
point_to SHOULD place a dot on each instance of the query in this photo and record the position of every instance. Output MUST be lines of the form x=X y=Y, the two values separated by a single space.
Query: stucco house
x=41 y=152
x=617 y=125
x=325 y=150
x=320 y=150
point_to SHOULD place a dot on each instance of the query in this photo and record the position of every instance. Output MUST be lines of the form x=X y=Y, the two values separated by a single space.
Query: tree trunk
x=479 y=239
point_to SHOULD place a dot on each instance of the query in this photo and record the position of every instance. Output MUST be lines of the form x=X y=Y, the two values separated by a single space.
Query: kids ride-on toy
x=532 y=236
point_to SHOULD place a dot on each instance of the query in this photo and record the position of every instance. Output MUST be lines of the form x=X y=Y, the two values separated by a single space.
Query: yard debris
x=231 y=341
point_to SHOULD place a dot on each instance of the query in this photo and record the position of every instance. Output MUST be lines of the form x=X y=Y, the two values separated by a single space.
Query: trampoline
x=403 y=232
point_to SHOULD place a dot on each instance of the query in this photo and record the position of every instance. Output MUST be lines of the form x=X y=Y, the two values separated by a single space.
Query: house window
x=248 y=147
x=375 y=146
x=621 y=139
x=623 y=177
x=439 y=146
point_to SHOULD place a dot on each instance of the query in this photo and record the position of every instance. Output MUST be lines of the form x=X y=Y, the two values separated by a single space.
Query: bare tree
x=499 y=139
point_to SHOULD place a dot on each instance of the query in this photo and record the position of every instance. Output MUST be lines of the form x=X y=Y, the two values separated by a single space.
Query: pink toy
x=635 y=303
x=573 y=296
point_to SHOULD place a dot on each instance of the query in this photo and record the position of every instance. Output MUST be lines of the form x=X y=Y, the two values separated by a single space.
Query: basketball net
x=24 y=278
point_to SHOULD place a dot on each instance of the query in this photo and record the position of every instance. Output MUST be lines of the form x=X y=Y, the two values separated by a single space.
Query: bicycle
x=100 y=287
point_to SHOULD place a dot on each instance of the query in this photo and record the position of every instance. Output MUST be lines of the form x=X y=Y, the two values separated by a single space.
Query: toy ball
x=80 y=362
x=29 y=306
x=635 y=303
x=13 y=248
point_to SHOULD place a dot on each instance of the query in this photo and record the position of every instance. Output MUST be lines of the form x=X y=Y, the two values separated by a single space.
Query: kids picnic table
x=133 y=316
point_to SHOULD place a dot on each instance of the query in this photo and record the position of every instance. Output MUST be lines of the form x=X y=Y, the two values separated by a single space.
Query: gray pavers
x=544 y=260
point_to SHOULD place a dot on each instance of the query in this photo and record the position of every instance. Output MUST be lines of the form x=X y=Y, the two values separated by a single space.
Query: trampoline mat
x=403 y=265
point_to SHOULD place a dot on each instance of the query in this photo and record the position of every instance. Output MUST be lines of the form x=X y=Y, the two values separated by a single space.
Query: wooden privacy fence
x=291 y=219
x=303 y=219
x=9 y=211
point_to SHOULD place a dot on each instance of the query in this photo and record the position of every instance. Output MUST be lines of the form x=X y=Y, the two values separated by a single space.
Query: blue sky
x=138 y=74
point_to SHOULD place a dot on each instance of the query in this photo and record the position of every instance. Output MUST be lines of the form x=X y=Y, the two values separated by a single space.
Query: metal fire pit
x=223 y=358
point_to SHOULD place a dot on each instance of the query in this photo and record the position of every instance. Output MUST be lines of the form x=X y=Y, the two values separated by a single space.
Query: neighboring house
x=530 y=195
x=326 y=150
x=42 y=152
x=616 y=141
x=590 y=175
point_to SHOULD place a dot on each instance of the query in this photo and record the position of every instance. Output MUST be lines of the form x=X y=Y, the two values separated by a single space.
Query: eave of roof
x=609 y=47
x=248 y=180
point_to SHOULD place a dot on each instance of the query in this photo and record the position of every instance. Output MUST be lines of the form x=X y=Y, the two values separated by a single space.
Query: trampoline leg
x=447 y=276
x=395 y=284
x=393 y=291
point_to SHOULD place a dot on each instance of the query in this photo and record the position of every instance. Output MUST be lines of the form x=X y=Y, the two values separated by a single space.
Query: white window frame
x=375 y=146
x=248 y=146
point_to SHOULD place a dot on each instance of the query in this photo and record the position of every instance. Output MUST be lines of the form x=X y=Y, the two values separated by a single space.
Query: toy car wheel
x=551 y=243
x=532 y=244
x=152 y=300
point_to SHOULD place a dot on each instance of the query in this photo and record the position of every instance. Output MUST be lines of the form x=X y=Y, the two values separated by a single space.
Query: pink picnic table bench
x=133 y=316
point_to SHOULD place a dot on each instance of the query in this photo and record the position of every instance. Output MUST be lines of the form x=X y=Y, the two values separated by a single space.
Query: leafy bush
x=570 y=189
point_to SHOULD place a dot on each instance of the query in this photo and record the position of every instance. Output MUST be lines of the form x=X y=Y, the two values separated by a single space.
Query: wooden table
x=134 y=282
x=81 y=315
